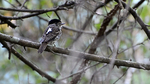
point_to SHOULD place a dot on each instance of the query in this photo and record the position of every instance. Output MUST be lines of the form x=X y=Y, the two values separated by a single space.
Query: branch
x=9 y=23
x=97 y=40
x=32 y=10
x=82 y=55
x=120 y=20
x=101 y=32
x=79 y=31
x=137 y=18
x=43 y=74
x=20 y=17
x=65 y=6
x=86 y=23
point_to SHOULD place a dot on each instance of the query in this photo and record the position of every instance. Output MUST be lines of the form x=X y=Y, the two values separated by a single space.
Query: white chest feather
x=49 y=30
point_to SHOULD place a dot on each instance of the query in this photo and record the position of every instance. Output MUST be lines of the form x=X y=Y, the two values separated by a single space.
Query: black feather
x=50 y=36
x=53 y=21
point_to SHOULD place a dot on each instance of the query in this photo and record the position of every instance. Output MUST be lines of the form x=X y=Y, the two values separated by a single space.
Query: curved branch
x=82 y=55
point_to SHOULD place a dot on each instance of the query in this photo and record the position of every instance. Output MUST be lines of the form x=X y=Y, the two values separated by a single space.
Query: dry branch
x=82 y=55
x=19 y=56
x=137 y=18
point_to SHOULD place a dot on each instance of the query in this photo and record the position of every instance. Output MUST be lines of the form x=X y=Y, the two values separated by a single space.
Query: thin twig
x=137 y=18
x=79 y=31
x=22 y=6
x=97 y=72
x=11 y=4
x=132 y=46
x=121 y=76
x=57 y=15
x=80 y=71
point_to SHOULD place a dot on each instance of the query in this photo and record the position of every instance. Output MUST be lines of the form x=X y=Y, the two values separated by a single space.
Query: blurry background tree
x=95 y=34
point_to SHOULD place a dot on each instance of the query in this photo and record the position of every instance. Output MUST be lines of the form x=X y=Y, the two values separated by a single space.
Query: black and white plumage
x=52 y=33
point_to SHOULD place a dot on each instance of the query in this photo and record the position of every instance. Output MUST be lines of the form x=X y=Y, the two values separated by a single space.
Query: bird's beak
x=62 y=23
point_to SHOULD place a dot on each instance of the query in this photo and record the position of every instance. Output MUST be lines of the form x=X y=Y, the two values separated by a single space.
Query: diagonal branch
x=5 y=21
x=89 y=20
x=102 y=29
x=19 y=56
x=97 y=40
x=137 y=18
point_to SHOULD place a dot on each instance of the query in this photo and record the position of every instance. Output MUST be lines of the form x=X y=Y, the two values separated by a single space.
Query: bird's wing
x=50 y=33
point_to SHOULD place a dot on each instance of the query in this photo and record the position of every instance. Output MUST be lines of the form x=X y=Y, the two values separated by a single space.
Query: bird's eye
x=59 y=23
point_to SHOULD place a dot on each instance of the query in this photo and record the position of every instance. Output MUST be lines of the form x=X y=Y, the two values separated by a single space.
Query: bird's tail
x=42 y=47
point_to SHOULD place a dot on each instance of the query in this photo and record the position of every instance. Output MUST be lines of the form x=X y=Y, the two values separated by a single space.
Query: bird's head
x=55 y=21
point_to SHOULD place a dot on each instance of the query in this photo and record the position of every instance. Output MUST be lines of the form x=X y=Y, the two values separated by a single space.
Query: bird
x=51 y=34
